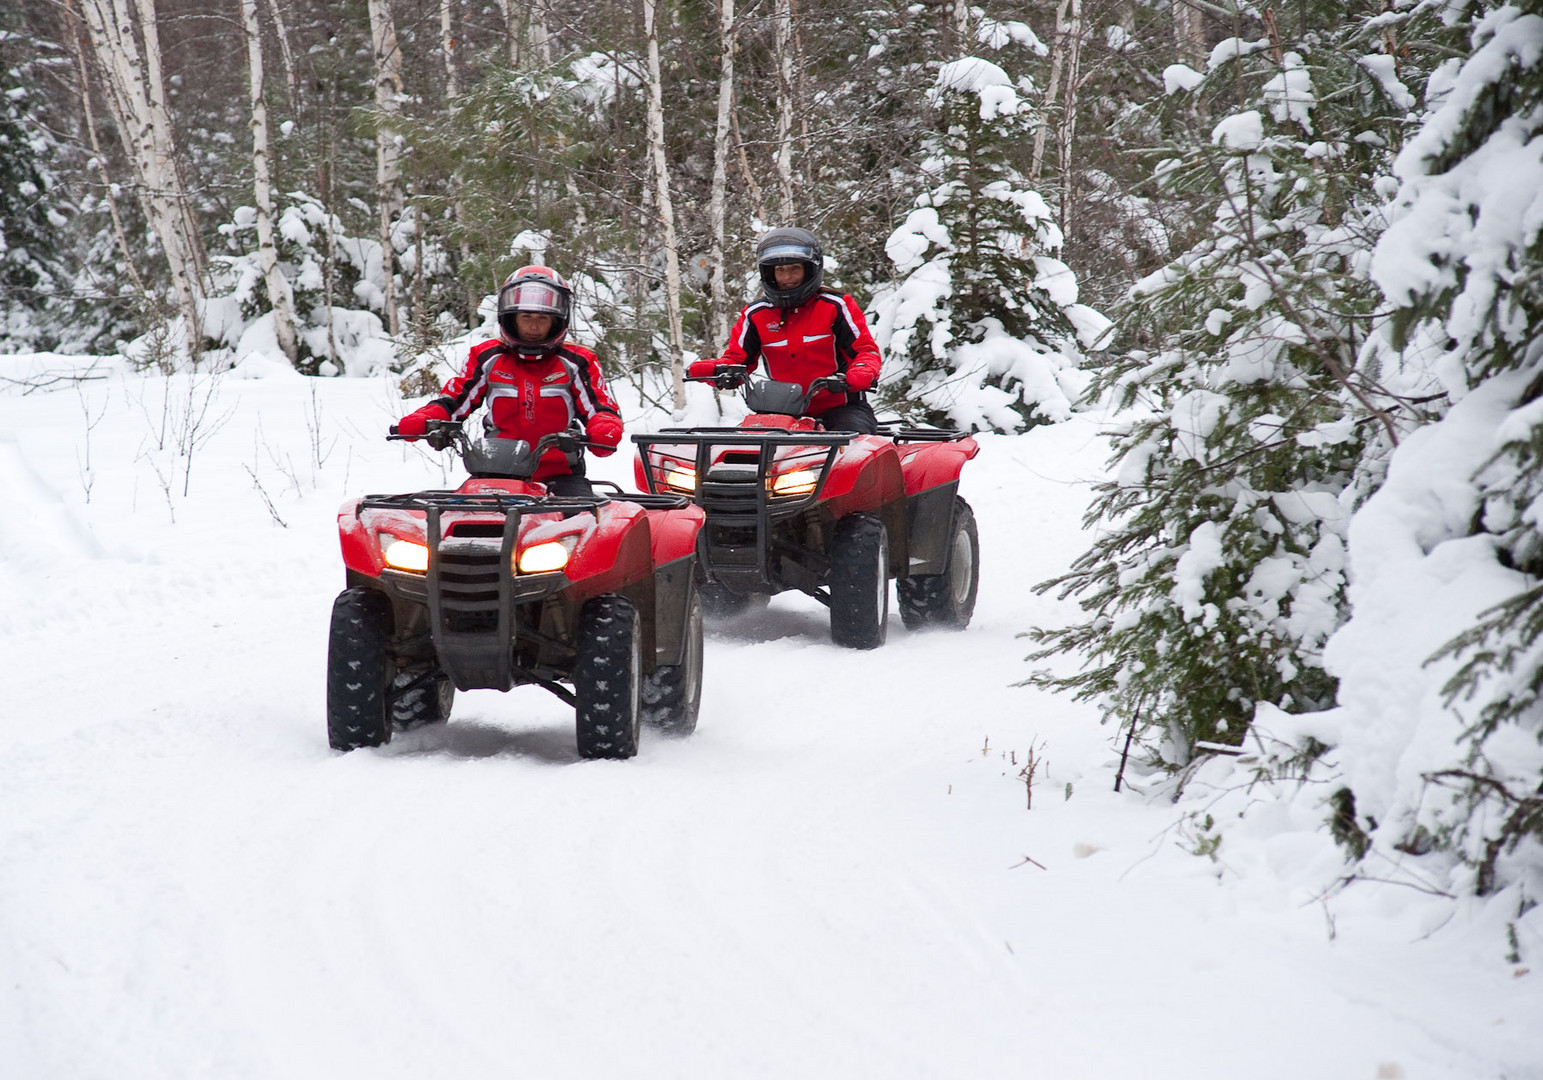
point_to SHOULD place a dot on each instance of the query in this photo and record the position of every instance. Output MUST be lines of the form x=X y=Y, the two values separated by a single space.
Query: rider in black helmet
x=805 y=332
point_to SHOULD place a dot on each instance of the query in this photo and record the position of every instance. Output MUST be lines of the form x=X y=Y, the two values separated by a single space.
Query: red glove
x=702 y=369
x=416 y=424
x=861 y=377
x=605 y=429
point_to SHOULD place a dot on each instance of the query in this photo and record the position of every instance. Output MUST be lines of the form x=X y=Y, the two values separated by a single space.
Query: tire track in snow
x=37 y=529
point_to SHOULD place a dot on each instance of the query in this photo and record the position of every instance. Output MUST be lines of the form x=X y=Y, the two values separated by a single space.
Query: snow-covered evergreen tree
x=36 y=305
x=1463 y=260
x=982 y=328
x=1256 y=399
x=336 y=280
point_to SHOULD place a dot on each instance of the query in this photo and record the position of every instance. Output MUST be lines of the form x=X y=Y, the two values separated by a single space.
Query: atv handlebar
x=734 y=376
x=724 y=376
x=442 y=434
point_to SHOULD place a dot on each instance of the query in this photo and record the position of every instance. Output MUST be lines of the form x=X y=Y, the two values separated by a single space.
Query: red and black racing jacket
x=531 y=398
x=824 y=336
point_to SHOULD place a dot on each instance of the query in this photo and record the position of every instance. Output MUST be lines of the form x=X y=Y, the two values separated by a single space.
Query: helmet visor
x=535 y=296
x=787 y=251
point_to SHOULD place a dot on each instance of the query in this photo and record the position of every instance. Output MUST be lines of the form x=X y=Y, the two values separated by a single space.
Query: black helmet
x=539 y=290
x=781 y=247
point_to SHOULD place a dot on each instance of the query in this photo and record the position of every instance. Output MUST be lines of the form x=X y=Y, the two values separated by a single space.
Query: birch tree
x=510 y=10
x=784 y=155
x=528 y=41
x=453 y=91
x=1188 y=31
x=97 y=154
x=1052 y=90
x=388 y=97
x=262 y=189
x=137 y=98
x=718 y=299
x=666 y=205
x=1067 y=129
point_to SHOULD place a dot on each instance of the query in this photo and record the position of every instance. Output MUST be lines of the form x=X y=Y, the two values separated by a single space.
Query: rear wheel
x=421 y=696
x=672 y=695
x=859 y=582
x=359 y=670
x=946 y=599
x=607 y=678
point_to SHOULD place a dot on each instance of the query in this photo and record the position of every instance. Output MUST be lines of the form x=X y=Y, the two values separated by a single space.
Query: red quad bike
x=832 y=514
x=498 y=584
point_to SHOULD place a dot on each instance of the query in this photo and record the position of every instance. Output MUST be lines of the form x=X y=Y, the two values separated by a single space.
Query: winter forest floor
x=836 y=876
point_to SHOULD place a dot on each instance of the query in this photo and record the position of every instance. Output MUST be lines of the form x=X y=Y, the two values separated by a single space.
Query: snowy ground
x=837 y=876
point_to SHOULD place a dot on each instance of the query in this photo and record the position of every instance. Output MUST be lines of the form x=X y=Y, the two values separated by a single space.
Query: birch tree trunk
x=718 y=297
x=1068 y=128
x=453 y=91
x=540 y=39
x=291 y=78
x=89 y=119
x=513 y=30
x=145 y=128
x=962 y=28
x=262 y=189
x=165 y=136
x=784 y=158
x=1188 y=31
x=1052 y=91
x=666 y=206
x=528 y=41
x=388 y=95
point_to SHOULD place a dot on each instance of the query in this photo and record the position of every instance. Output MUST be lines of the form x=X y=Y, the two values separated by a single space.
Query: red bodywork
x=909 y=485
x=617 y=545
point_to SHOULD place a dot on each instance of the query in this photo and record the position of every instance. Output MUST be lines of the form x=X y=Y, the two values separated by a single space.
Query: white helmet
x=539 y=290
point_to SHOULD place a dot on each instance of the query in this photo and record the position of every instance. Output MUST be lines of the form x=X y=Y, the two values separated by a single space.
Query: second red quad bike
x=498 y=584
x=832 y=514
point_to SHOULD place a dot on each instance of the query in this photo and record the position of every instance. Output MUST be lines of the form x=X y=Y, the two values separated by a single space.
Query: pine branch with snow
x=1260 y=402
x=982 y=329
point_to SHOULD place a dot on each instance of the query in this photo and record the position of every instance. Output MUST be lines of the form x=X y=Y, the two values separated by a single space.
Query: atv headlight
x=681 y=478
x=404 y=554
x=797 y=482
x=543 y=558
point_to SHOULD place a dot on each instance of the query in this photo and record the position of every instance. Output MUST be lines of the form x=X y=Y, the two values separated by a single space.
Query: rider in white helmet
x=533 y=380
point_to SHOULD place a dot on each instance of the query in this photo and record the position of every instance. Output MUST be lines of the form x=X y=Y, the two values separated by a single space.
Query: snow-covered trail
x=836 y=876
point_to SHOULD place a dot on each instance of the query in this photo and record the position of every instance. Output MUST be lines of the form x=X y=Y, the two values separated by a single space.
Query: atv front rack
x=471 y=588
x=745 y=480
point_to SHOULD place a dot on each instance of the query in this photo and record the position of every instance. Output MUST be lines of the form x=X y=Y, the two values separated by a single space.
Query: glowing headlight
x=543 y=558
x=797 y=482
x=404 y=554
x=682 y=478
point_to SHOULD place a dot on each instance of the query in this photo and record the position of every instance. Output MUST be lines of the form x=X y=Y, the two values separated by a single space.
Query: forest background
x=1291 y=242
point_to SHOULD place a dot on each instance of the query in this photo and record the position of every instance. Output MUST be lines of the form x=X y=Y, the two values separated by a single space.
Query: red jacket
x=826 y=335
x=531 y=398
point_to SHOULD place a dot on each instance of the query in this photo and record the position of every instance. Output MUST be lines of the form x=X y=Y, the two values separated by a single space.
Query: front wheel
x=946 y=599
x=859 y=582
x=421 y=696
x=359 y=670
x=672 y=695
x=607 y=678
